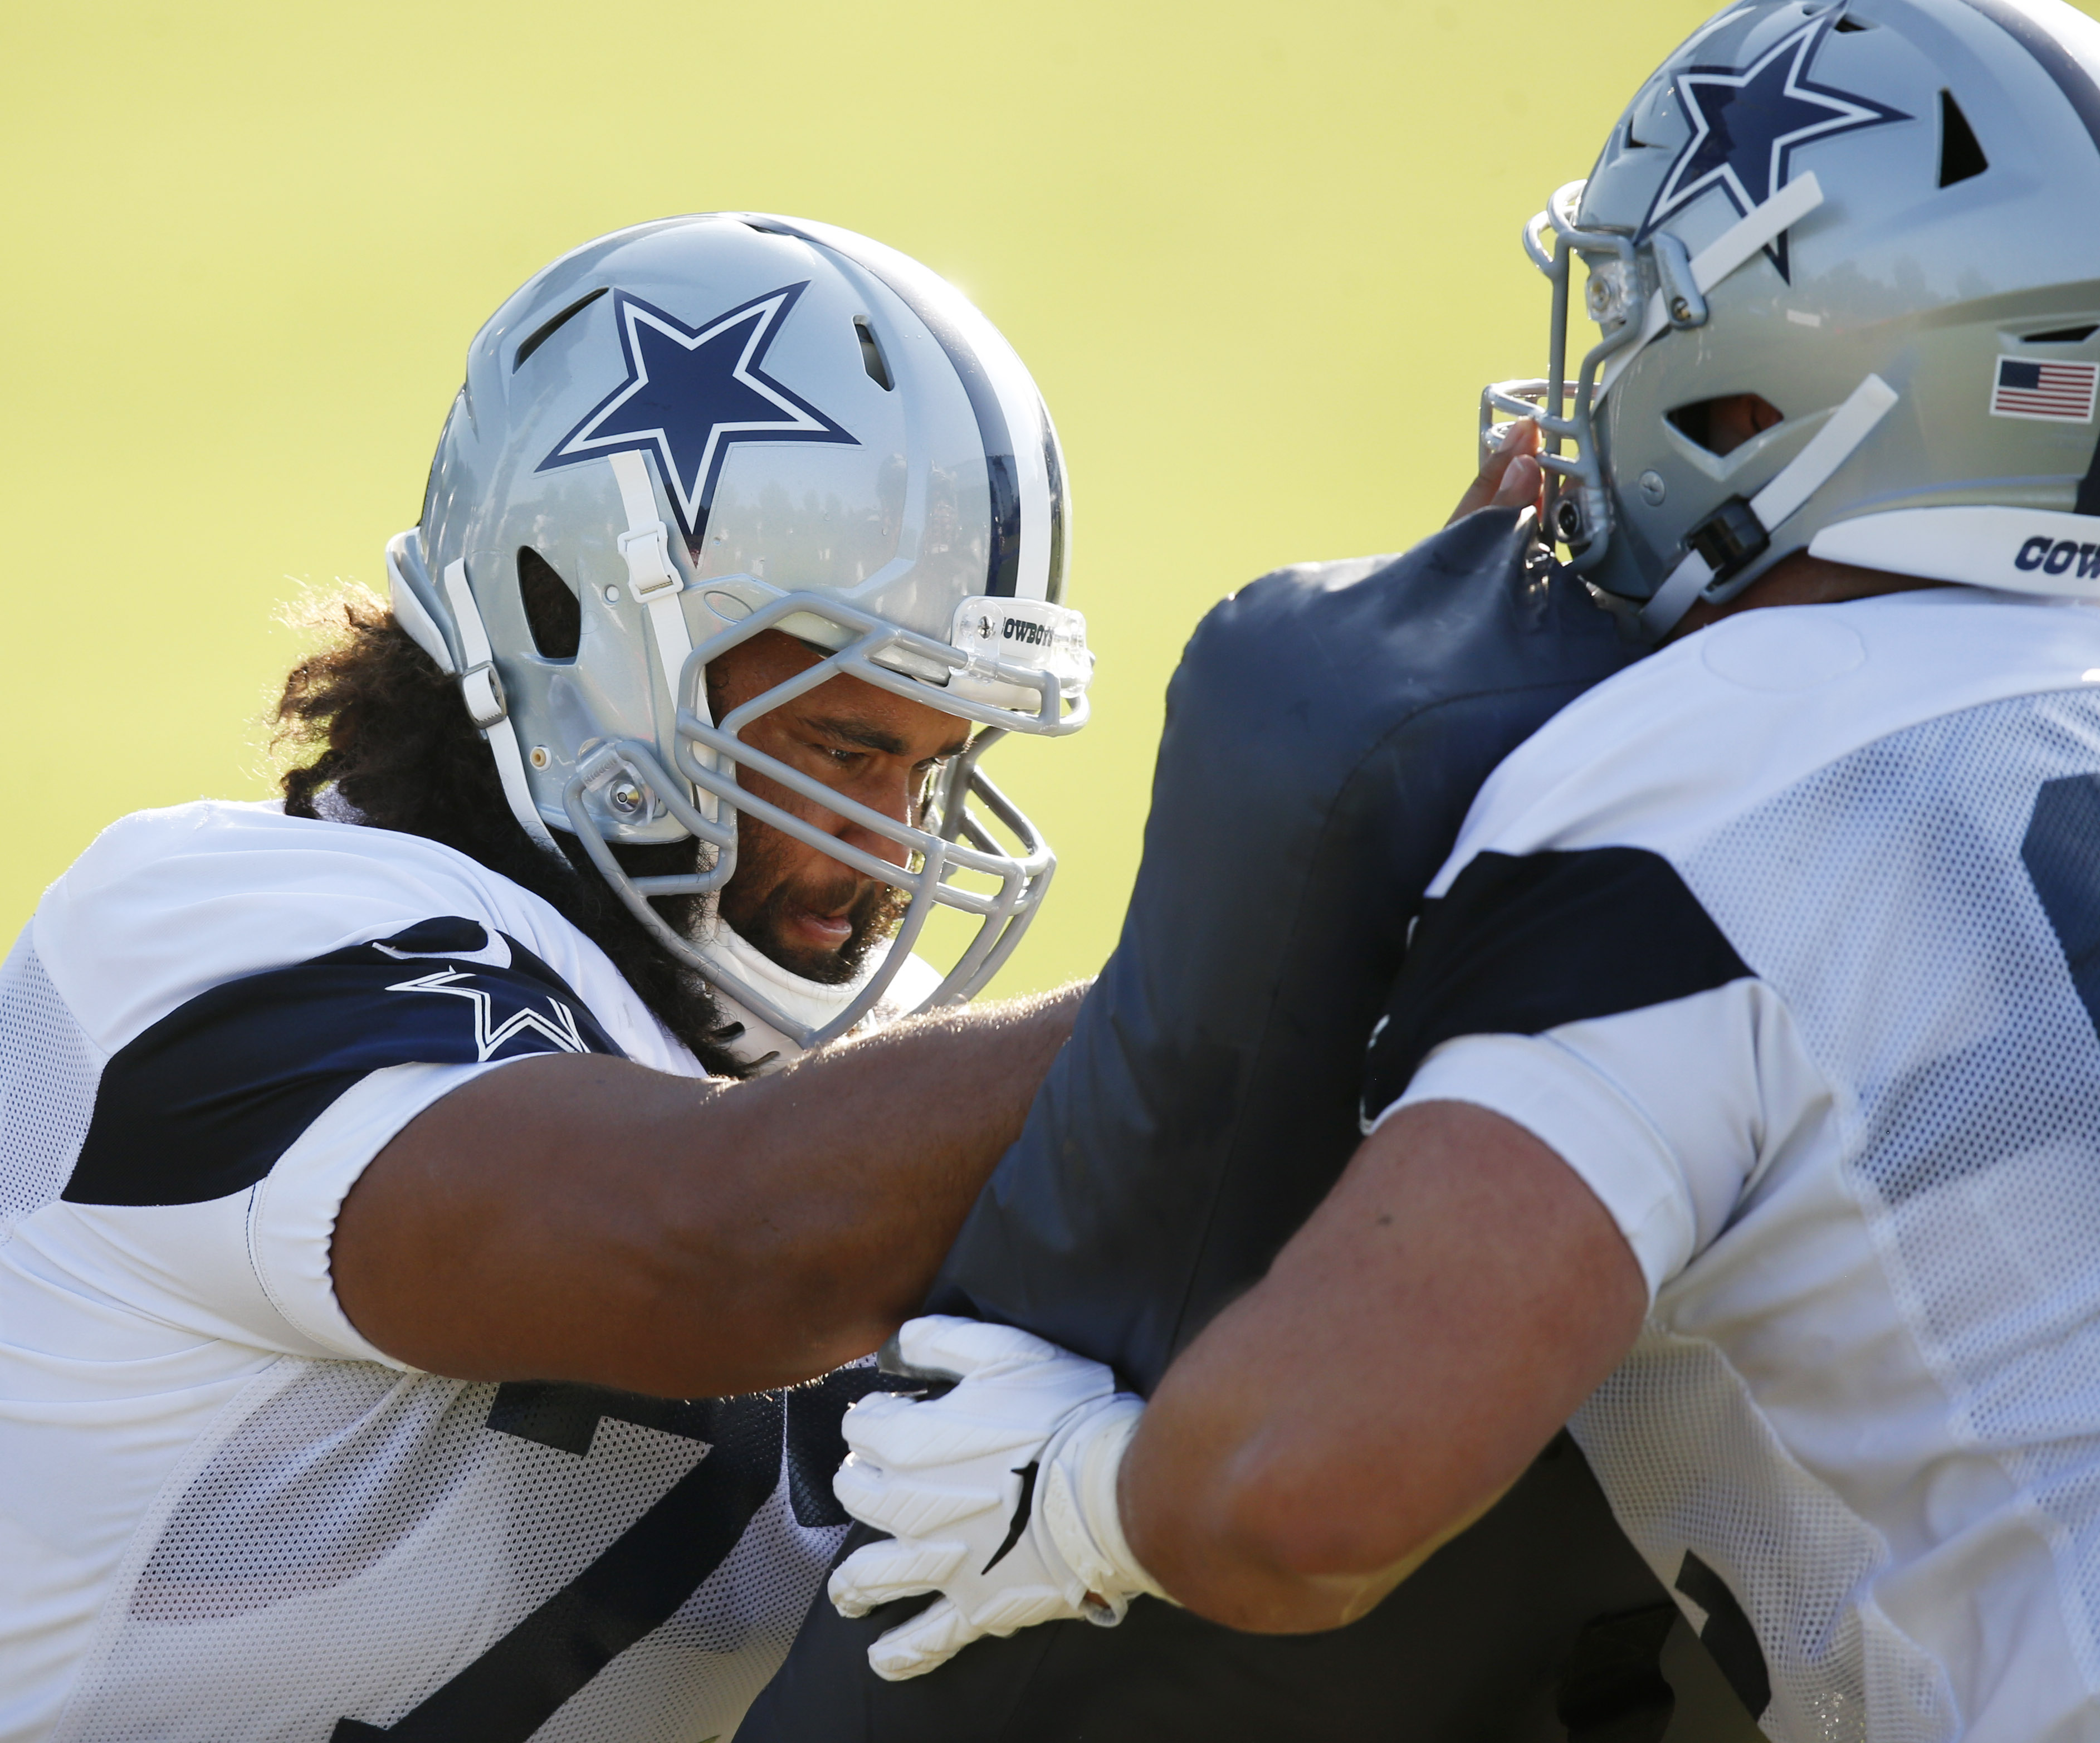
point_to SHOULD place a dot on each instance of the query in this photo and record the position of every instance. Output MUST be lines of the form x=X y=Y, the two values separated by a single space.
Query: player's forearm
x=1241 y=1513
x=854 y=1170
x=1243 y=1533
x=575 y=1217
x=1437 y=1318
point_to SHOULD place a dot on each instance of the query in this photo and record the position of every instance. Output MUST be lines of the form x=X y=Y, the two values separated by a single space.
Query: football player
x=1734 y=1099
x=398 y=1285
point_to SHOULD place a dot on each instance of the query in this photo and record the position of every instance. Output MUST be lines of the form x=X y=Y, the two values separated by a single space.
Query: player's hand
x=1512 y=479
x=999 y=1494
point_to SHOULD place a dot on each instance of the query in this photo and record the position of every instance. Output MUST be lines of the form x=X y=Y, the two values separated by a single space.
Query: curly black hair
x=371 y=716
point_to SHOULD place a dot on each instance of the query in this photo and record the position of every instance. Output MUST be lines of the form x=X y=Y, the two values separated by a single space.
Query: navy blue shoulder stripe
x=1003 y=566
x=204 y=1102
x=1522 y=944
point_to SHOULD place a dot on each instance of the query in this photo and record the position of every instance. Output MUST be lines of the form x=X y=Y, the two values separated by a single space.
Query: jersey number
x=657 y=1563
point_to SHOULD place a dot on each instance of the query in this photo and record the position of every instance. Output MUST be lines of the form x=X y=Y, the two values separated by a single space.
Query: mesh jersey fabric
x=1856 y=1157
x=225 y=1514
x=1205 y=1104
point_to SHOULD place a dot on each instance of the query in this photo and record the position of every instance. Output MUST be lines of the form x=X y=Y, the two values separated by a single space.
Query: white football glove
x=1001 y=1494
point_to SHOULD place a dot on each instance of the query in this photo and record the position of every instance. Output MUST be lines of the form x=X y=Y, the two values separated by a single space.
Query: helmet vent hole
x=553 y=613
x=2077 y=335
x=547 y=328
x=1960 y=155
x=872 y=358
x=1846 y=26
x=1723 y=424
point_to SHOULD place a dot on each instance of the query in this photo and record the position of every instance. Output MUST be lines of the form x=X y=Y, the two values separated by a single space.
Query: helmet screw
x=612 y=596
x=1567 y=517
x=539 y=758
x=626 y=797
x=1680 y=309
x=1652 y=489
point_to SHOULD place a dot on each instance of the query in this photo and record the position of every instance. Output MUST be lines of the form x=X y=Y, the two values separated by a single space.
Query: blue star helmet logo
x=1747 y=122
x=691 y=394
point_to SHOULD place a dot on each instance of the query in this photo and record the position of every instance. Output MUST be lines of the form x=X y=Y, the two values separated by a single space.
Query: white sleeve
x=219 y=1141
x=1668 y=1112
x=291 y=1220
x=251 y=1267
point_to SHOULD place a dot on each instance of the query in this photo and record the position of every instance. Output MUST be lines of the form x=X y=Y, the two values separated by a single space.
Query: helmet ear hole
x=1723 y=425
x=553 y=613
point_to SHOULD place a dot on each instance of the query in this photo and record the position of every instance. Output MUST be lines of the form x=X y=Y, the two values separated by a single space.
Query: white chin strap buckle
x=655 y=583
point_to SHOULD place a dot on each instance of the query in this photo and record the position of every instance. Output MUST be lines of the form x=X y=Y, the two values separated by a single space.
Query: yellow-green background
x=1260 y=256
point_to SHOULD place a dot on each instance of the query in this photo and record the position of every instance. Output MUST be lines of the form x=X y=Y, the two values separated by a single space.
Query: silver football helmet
x=1873 y=215
x=697 y=430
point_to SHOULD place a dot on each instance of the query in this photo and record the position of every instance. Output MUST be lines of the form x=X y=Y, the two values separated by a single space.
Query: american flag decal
x=2058 y=392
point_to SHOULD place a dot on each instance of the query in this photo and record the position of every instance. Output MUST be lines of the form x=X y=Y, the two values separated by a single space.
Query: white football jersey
x=1788 y=939
x=223 y=1515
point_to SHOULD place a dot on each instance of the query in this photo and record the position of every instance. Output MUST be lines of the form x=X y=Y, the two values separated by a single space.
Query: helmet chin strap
x=654 y=581
x=651 y=577
x=486 y=708
x=1738 y=532
x=1742 y=241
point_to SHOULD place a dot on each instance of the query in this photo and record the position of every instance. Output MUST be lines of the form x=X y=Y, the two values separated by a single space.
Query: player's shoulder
x=166 y=904
x=184 y=853
x=1669 y=750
